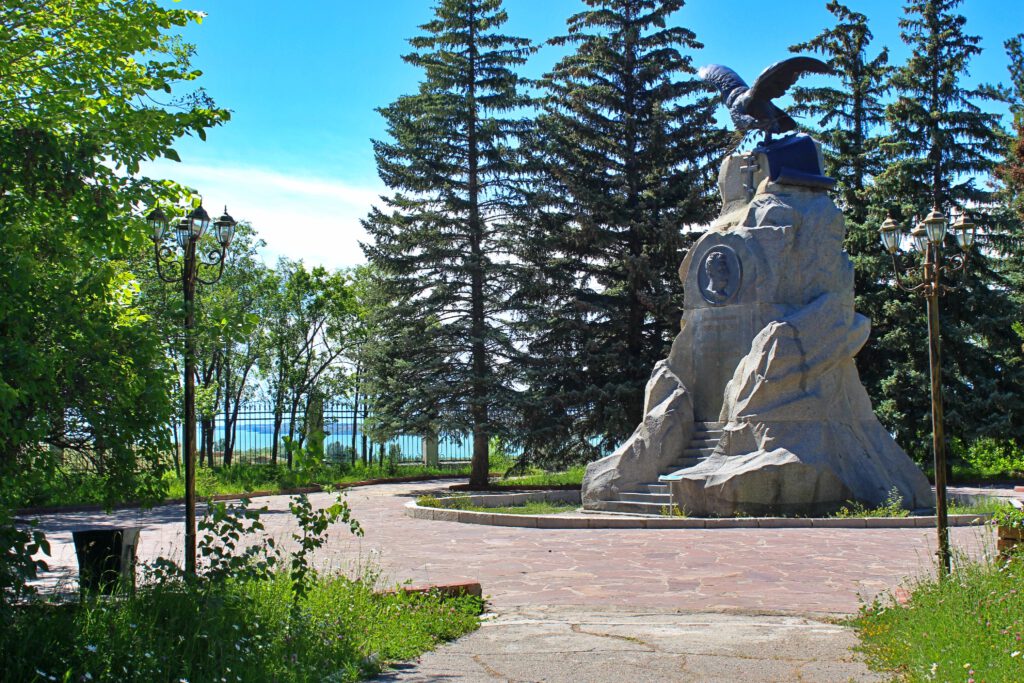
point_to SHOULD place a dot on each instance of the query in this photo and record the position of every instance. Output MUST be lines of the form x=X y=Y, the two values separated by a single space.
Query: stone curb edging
x=594 y=521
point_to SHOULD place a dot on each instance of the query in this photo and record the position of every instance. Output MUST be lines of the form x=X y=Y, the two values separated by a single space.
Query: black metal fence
x=253 y=436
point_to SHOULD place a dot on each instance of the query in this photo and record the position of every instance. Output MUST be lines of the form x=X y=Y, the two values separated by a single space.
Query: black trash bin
x=106 y=559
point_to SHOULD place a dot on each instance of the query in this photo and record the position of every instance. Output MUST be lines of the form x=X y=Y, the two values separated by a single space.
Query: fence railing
x=253 y=436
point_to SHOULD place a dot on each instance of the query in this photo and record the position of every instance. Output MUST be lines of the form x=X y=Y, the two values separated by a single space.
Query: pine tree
x=850 y=115
x=1011 y=172
x=942 y=149
x=440 y=361
x=625 y=152
x=852 y=119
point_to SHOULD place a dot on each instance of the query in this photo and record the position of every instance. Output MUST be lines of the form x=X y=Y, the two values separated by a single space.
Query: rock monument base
x=759 y=408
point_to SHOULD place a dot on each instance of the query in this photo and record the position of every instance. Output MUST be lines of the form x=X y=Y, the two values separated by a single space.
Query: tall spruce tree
x=1011 y=172
x=624 y=150
x=942 y=151
x=852 y=121
x=851 y=114
x=440 y=244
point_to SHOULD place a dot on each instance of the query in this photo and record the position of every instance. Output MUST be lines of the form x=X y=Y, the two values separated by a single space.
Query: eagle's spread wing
x=776 y=79
x=722 y=77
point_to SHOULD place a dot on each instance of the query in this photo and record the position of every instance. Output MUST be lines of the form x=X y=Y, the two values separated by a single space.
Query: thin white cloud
x=312 y=218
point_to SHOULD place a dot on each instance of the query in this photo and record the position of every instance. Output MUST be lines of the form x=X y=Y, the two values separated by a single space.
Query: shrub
x=240 y=619
x=892 y=507
x=989 y=457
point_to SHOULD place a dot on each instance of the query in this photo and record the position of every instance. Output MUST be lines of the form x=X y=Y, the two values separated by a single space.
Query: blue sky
x=303 y=79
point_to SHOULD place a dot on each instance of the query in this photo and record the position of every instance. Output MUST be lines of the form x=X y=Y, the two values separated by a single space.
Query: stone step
x=704 y=443
x=652 y=498
x=698 y=452
x=654 y=488
x=708 y=425
x=683 y=465
x=701 y=438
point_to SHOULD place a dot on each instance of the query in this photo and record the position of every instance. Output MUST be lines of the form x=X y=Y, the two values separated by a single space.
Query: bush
x=241 y=619
x=237 y=630
x=988 y=457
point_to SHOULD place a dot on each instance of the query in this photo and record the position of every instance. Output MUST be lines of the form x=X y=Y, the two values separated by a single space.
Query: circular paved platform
x=603 y=605
x=786 y=570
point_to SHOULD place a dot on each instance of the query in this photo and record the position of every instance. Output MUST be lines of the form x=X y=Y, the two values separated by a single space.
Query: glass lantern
x=224 y=228
x=890 y=235
x=920 y=238
x=200 y=221
x=935 y=227
x=963 y=231
x=157 y=221
x=183 y=232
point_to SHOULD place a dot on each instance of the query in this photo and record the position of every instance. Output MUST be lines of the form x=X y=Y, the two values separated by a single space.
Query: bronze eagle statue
x=751 y=108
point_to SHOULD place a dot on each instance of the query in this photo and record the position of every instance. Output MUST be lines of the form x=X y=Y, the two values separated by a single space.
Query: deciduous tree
x=80 y=109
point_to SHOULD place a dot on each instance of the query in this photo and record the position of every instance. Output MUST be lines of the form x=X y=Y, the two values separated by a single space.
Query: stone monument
x=759 y=408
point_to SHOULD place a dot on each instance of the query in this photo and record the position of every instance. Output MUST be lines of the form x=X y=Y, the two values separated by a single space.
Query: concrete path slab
x=573 y=645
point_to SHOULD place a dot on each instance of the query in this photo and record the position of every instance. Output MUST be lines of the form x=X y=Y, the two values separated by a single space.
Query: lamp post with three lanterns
x=930 y=279
x=186 y=270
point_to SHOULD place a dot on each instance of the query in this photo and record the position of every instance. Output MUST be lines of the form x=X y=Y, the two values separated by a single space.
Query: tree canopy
x=623 y=157
x=80 y=365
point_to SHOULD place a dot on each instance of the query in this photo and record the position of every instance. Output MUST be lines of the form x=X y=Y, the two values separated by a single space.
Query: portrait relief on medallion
x=719 y=275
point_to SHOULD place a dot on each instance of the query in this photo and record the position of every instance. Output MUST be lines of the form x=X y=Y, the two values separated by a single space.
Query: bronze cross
x=750 y=167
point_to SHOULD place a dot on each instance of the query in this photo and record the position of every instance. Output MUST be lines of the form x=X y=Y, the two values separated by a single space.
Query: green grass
x=77 y=488
x=533 y=507
x=967 y=628
x=892 y=507
x=233 y=631
x=249 y=478
x=984 y=505
x=570 y=477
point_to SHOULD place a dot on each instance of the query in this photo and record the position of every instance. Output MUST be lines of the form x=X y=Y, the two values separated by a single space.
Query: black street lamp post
x=927 y=238
x=188 y=231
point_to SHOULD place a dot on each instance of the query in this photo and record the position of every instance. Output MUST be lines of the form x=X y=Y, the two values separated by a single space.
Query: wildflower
x=1015 y=653
x=91 y=648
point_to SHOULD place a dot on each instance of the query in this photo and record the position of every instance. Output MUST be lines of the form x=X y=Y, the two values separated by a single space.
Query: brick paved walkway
x=795 y=571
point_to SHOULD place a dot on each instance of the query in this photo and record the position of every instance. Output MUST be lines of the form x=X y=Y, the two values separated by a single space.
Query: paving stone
x=801 y=572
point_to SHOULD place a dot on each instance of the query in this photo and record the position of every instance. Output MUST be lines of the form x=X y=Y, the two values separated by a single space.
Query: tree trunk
x=228 y=424
x=362 y=433
x=293 y=412
x=355 y=415
x=480 y=467
x=278 y=418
